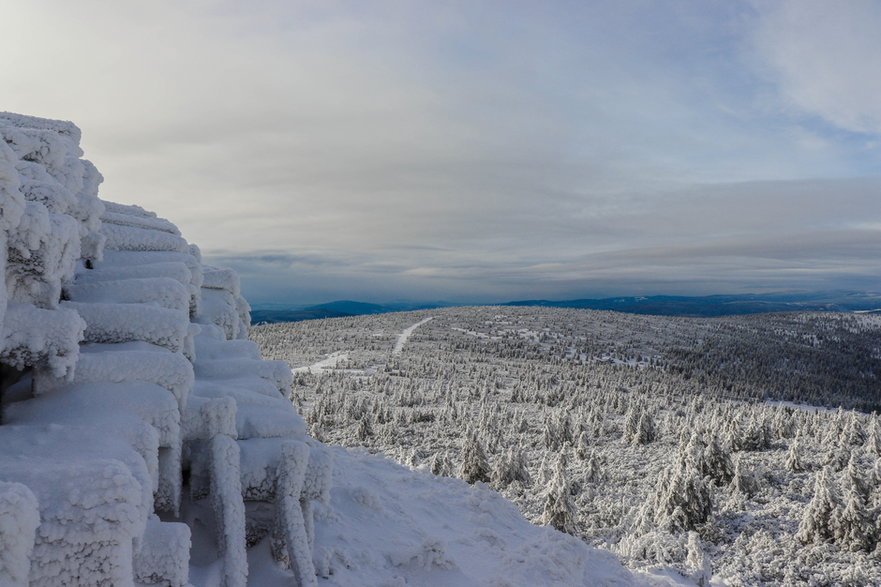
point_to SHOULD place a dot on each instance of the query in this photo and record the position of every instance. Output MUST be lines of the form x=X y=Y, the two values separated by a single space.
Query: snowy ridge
x=145 y=442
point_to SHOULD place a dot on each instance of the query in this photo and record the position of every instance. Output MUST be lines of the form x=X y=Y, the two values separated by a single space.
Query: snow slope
x=144 y=441
x=387 y=525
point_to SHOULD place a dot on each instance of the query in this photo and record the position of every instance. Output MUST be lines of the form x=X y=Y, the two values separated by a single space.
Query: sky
x=479 y=151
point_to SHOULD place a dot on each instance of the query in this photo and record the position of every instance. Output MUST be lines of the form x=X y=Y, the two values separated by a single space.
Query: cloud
x=824 y=57
x=470 y=150
x=704 y=239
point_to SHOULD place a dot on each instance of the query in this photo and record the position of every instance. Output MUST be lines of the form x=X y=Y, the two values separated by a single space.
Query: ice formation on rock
x=106 y=403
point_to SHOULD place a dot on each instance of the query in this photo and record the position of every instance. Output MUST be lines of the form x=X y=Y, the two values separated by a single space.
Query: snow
x=132 y=238
x=19 y=518
x=385 y=524
x=136 y=221
x=161 y=291
x=32 y=335
x=329 y=362
x=276 y=372
x=90 y=511
x=205 y=418
x=163 y=555
x=405 y=336
x=229 y=509
x=172 y=269
x=149 y=402
x=221 y=278
x=169 y=370
x=133 y=322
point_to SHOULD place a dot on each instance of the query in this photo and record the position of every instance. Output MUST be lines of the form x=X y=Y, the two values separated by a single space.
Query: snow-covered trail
x=331 y=361
x=404 y=336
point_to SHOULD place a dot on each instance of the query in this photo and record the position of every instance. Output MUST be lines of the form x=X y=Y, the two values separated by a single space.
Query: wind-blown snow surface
x=143 y=440
x=387 y=525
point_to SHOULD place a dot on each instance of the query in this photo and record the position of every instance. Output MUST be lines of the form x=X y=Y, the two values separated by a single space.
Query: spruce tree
x=698 y=560
x=852 y=526
x=744 y=481
x=817 y=522
x=682 y=499
x=793 y=457
x=582 y=446
x=475 y=466
x=559 y=510
x=873 y=439
x=510 y=467
x=717 y=462
x=365 y=430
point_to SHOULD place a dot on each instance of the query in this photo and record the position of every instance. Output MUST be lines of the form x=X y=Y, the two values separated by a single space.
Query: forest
x=743 y=450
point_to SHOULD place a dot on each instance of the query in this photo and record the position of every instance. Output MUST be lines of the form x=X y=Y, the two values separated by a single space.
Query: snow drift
x=144 y=441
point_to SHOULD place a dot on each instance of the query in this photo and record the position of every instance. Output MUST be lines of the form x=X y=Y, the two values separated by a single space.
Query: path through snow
x=330 y=362
x=404 y=336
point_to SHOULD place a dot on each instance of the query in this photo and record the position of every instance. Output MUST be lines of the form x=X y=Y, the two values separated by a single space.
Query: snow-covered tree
x=873 y=438
x=698 y=560
x=682 y=499
x=817 y=523
x=793 y=457
x=559 y=509
x=365 y=429
x=510 y=467
x=717 y=463
x=744 y=481
x=852 y=523
x=639 y=426
x=475 y=466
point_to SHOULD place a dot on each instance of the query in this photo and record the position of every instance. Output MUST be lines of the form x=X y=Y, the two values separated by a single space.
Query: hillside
x=672 y=442
x=723 y=305
x=144 y=441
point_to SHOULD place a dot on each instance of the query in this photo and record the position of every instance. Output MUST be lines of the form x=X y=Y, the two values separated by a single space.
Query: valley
x=691 y=444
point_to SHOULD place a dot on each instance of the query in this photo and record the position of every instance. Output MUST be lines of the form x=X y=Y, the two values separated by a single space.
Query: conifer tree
x=744 y=481
x=817 y=522
x=854 y=434
x=559 y=510
x=593 y=472
x=717 y=462
x=793 y=457
x=552 y=437
x=582 y=446
x=682 y=498
x=475 y=466
x=837 y=457
x=873 y=438
x=365 y=429
x=698 y=560
x=852 y=525
x=510 y=467
x=441 y=464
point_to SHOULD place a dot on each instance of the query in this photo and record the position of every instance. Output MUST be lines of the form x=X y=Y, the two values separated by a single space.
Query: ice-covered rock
x=163 y=556
x=19 y=518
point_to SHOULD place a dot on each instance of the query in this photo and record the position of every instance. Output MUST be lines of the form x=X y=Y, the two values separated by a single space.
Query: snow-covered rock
x=19 y=518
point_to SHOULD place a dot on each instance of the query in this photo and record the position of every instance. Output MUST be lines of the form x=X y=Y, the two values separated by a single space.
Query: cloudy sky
x=479 y=151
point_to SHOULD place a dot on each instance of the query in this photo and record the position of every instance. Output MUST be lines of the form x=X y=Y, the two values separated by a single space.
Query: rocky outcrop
x=130 y=392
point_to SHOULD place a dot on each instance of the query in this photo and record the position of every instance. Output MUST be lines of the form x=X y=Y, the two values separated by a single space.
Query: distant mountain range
x=715 y=305
x=277 y=312
x=723 y=305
